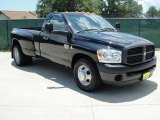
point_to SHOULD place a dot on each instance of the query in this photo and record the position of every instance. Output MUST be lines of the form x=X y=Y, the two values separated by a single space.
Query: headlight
x=109 y=55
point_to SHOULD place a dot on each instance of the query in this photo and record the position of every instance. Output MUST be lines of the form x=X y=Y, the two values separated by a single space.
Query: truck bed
x=29 y=37
x=34 y=28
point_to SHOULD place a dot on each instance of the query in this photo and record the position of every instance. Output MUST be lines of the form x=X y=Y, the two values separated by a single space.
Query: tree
x=121 y=8
x=152 y=12
x=46 y=6
x=110 y=7
x=159 y=13
x=131 y=8
x=91 y=6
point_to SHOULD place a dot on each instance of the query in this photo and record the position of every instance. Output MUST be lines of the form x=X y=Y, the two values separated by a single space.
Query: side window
x=58 y=23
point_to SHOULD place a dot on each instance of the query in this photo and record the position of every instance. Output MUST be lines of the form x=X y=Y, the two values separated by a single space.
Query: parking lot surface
x=47 y=91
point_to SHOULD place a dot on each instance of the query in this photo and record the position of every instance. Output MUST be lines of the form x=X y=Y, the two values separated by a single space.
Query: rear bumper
x=123 y=74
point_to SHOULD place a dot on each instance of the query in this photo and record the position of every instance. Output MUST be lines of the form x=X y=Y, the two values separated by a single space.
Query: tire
x=86 y=75
x=19 y=58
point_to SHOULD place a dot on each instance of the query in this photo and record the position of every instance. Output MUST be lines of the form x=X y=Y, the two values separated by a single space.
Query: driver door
x=52 y=44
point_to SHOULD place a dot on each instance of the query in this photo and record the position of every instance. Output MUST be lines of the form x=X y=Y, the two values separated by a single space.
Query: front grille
x=149 y=55
x=150 y=48
x=133 y=59
x=134 y=51
x=140 y=54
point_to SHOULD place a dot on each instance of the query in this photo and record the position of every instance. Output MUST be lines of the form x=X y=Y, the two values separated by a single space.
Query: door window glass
x=58 y=23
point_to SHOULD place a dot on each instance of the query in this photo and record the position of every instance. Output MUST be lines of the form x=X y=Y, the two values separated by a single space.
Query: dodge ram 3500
x=91 y=46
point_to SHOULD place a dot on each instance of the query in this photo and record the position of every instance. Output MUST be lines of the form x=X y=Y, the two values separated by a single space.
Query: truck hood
x=115 y=38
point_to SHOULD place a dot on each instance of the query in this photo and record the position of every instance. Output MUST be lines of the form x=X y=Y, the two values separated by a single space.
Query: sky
x=30 y=5
x=18 y=5
x=147 y=3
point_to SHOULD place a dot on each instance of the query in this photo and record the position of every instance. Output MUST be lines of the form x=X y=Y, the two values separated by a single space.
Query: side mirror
x=49 y=27
x=118 y=26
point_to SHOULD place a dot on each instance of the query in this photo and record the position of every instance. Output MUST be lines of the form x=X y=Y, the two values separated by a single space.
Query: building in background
x=11 y=15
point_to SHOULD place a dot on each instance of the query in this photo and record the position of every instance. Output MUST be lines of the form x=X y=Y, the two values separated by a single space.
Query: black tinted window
x=58 y=23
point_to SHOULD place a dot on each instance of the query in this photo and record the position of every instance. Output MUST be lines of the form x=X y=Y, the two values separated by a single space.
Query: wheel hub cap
x=84 y=75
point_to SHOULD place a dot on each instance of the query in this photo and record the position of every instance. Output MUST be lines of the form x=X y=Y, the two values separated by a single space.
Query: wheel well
x=15 y=42
x=80 y=56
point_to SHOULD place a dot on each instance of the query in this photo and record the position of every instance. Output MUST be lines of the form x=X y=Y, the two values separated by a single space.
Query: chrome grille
x=140 y=54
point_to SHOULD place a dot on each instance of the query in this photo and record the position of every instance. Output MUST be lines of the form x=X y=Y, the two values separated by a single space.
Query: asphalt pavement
x=47 y=91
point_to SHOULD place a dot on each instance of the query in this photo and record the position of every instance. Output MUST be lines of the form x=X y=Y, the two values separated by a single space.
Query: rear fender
x=25 y=40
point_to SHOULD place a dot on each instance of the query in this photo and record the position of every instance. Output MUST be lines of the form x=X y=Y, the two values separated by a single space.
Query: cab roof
x=76 y=12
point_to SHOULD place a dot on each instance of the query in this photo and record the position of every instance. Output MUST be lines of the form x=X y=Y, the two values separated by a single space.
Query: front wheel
x=86 y=75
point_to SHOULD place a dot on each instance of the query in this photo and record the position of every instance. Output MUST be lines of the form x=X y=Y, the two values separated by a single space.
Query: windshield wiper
x=87 y=30
x=103 y=29
x=107 y=29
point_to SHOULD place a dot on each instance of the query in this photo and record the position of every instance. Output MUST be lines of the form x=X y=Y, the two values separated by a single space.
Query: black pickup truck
x=92 y=47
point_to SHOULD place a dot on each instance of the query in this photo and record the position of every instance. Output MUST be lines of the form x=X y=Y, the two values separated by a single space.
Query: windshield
x=88 y=22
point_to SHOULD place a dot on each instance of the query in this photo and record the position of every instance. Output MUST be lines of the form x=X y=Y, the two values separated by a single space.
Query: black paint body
x=59 y=48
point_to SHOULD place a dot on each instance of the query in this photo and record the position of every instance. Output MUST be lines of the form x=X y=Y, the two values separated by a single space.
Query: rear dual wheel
x=19 y=58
